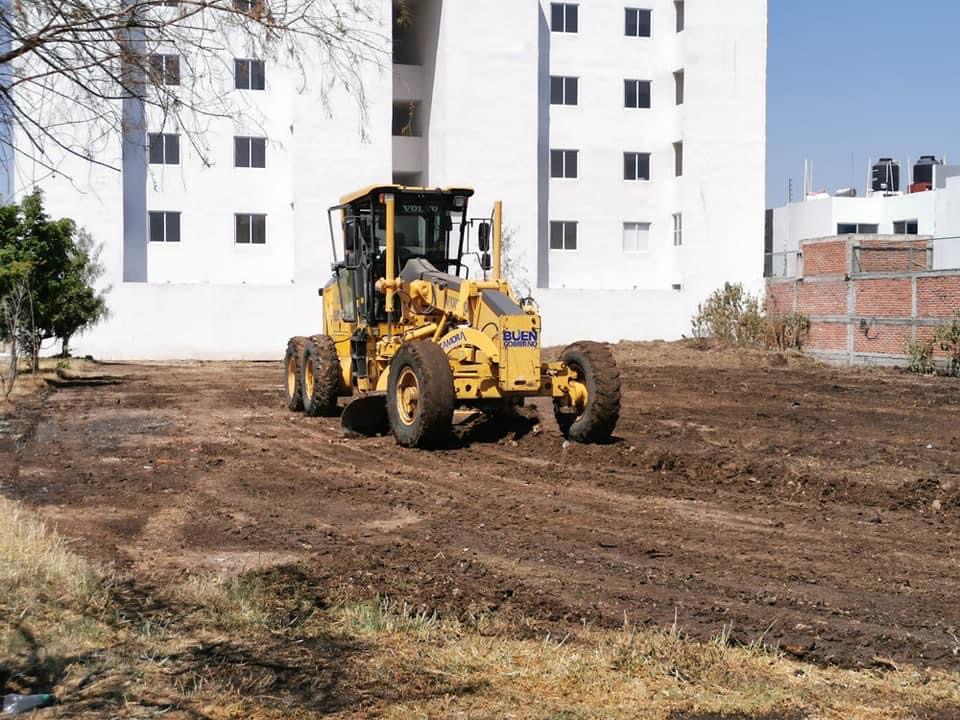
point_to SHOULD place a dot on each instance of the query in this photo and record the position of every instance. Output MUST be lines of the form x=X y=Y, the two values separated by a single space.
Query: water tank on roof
x=885 y=176
x=923 y=169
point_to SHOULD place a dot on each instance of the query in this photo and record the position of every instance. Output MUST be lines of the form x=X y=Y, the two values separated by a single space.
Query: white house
x=626 y=139
x=934 y=213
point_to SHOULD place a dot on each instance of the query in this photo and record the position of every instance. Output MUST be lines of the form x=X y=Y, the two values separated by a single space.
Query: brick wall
x=937 y=297
x=780 y=294
x=882 y=339
x=827 y=337
x=828 y=297
x=825 y=258
x=896 y=298
x=879 y=255
x=886 y=297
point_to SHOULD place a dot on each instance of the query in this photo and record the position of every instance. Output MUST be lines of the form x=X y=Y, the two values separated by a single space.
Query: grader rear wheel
x=320 y=376
x=594 y=404
x=291 y=373
x=420 y=395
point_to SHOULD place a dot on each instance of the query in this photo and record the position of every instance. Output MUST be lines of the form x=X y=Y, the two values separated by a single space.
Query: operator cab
x=430 y=227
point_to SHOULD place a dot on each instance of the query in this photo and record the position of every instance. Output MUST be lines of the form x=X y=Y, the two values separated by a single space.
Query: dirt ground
x=813 y=507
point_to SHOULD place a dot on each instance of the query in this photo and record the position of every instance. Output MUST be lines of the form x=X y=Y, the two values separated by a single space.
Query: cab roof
x=375 y=189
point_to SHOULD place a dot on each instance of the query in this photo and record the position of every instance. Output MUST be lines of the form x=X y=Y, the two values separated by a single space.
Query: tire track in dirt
x=736 y=493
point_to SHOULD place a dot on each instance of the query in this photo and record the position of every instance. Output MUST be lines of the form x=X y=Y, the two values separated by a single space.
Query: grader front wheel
x=420 y=395
x=591 y=411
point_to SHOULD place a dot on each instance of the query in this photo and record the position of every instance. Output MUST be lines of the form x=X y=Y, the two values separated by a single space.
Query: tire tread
x=322 y=351
x=437 y=398
x=603 y=381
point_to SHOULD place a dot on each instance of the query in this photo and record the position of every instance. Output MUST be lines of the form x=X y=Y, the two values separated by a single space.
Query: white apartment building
x=626 y=138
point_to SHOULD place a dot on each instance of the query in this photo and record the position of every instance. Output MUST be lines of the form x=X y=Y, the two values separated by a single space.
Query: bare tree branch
x=67 y=66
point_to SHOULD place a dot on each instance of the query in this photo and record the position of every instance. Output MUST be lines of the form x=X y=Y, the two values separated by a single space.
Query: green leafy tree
x=59 y=264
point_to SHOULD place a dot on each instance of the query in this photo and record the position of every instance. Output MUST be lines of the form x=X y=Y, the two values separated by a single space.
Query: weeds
x=787 y=332
x=948 y=336
x=733 y=315
x=36 y=561
x=920 y=357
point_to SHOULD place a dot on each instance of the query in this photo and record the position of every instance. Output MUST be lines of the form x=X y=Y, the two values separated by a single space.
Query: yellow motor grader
x=410 y=337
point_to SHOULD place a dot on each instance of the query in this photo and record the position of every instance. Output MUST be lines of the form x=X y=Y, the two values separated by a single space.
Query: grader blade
x=366 y=415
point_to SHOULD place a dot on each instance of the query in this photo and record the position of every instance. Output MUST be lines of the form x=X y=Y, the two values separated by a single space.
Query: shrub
x=920 y=356
x=948 y=335
x=787 y=332
x=731 y=314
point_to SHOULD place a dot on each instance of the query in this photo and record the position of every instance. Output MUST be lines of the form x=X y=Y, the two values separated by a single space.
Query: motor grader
x=410 y=337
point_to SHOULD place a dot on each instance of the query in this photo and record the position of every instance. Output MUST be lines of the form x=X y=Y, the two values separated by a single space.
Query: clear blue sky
x=853 y=79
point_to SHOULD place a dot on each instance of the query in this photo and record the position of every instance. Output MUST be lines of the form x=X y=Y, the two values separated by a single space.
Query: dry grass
x=263 y=646
x=637 y=673
x=28 y=383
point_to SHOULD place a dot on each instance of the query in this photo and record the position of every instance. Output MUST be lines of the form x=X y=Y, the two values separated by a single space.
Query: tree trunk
x=14 y=352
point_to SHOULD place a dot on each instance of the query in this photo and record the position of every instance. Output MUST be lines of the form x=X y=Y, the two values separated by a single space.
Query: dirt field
x=816 y=507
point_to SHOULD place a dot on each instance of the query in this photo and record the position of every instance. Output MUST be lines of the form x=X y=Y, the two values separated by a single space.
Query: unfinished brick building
x=867 y=296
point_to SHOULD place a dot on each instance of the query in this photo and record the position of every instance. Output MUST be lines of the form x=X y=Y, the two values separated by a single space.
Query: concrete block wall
x=867 y=297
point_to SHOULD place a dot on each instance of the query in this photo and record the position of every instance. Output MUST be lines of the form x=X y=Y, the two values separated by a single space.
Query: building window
x=563 y=163
x=678 y=85
x=164 y=149
x=563 y=90
x=164 y=226
x=563 y=235
x=906 y=227
x=248 y=6
x=165 y=69
x=857 y=229
x=249 y=152
x=564 y=17
x=249 y=75
x=677 y=229
x=636 y=93
x=250 y=229
x=679 y=9
x=636 y=237
x=678 y=159
x=636 y=166
x=638 y=22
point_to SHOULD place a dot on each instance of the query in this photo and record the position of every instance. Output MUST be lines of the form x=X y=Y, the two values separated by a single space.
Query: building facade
x=934 y=213
x=874 y=275
x=626 y=139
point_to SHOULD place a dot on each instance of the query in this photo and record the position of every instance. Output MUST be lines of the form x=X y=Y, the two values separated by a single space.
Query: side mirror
x=483 y=237
x=485 y=263
x=350 y=236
